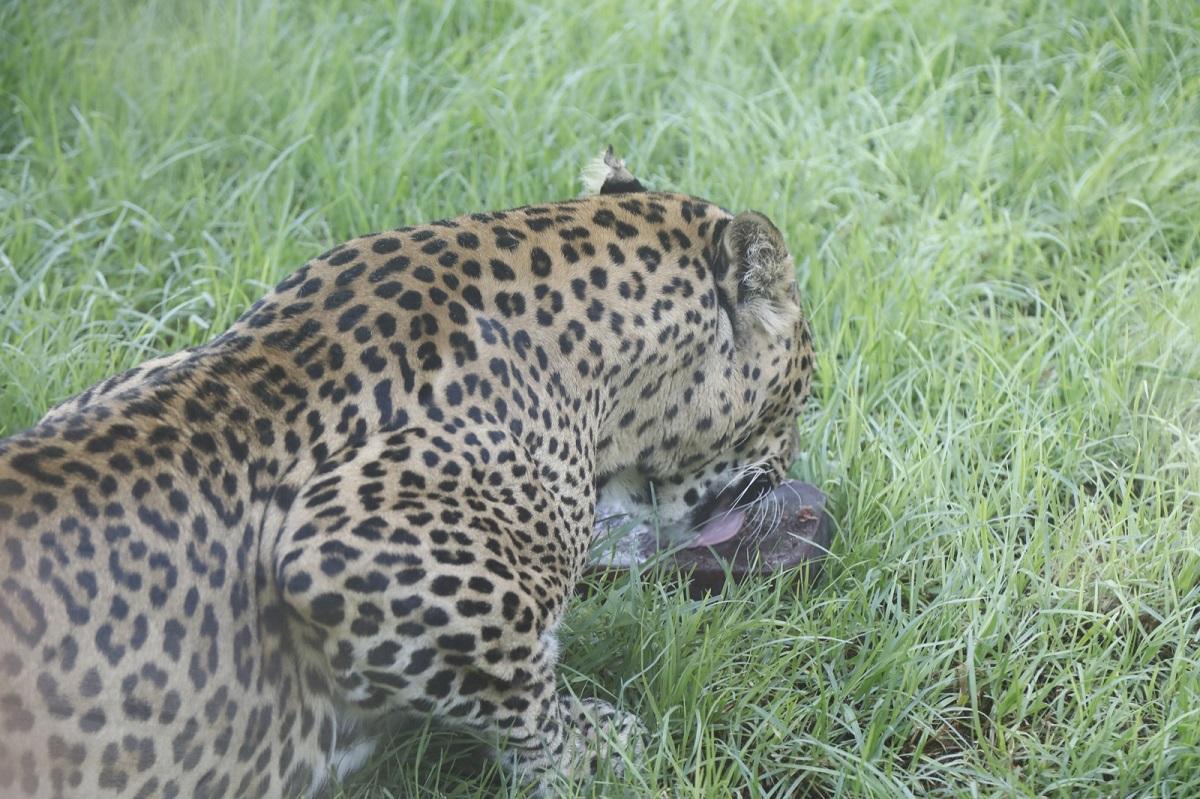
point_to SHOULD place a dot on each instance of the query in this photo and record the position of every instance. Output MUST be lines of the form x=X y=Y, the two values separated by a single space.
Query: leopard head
x=721 y=431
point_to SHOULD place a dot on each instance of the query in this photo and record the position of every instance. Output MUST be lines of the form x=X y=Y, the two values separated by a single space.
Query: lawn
x=995 y=213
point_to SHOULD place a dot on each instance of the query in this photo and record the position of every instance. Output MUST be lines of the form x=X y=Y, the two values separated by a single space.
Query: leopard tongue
x=718 y=530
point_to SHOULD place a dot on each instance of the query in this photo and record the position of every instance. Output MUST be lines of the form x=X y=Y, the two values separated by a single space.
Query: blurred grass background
x=995 y=214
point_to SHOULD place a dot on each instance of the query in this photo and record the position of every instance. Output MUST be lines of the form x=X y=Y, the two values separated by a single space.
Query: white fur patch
x=594 y=173
x=621 y=537
x=342 y=763
x=603 y=168
x=775 y=321
x=550 y=646
x=347 y=761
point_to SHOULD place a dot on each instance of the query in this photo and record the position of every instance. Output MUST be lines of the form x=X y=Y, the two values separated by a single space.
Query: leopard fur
x=228 y=571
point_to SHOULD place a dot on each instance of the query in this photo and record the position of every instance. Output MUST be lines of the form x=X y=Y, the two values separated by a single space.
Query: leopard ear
x=606 y=174
x=755 y=253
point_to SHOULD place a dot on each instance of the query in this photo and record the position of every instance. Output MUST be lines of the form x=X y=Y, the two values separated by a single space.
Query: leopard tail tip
x=607 y=174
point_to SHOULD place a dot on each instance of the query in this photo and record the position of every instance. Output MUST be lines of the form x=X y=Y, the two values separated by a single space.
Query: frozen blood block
x=786 y=530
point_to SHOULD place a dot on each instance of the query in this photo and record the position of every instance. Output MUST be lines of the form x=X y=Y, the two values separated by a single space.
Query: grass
x=995 y=211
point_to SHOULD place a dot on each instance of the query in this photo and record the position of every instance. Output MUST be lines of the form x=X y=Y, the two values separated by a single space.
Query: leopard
x=234 y=569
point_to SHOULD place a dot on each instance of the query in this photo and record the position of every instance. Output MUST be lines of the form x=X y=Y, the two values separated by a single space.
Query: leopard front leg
x=422 y=583
x=558 y=734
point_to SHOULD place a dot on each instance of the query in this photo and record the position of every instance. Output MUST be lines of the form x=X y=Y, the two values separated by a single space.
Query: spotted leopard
x=230 y=570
